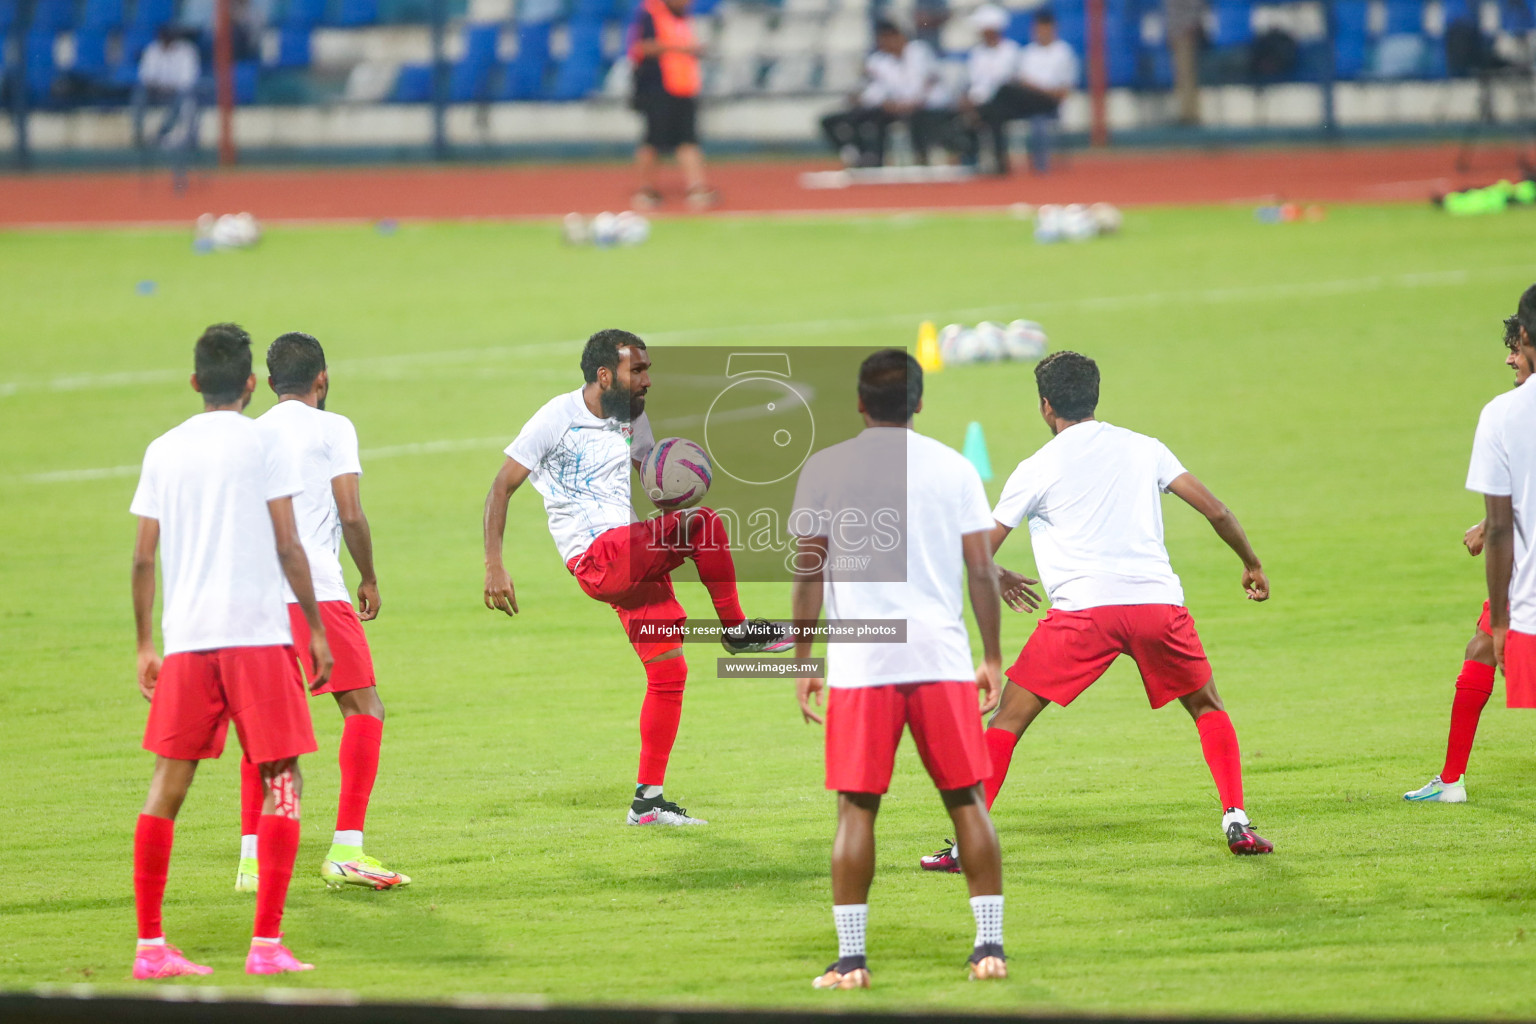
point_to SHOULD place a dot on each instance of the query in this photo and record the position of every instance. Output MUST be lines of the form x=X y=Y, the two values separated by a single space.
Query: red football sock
x=659 y=717
x=1218 y=740
x=710 y=549
x=361 y=736
x=251 y=796
x=1000 y=744
x=151 y=865
x=277 y=847
x=1473 y=688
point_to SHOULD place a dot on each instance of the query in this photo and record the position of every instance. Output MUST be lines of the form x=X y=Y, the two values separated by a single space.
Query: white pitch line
x=466 y=444
x=1205 y=296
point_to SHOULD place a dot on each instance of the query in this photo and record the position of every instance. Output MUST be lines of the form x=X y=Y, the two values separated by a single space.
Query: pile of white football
x=992 y=342
x=1076 y=222
x=606 y=230
x=227 y=231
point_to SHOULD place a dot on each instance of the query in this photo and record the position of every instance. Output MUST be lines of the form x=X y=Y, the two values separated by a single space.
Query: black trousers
x=1011 y=102
x=866 y=128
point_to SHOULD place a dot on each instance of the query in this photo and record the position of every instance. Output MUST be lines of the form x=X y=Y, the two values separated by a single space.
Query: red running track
x=524 y=191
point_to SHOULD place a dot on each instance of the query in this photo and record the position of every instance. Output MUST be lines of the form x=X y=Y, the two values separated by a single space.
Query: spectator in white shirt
x=1009 y=83
x=168 y=73
x=902 y=83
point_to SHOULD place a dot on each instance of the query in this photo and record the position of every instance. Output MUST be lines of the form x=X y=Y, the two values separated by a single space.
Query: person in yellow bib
x=665 y=54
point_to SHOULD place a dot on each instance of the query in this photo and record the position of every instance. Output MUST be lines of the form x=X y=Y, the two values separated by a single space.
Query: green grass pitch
x=1323 y=379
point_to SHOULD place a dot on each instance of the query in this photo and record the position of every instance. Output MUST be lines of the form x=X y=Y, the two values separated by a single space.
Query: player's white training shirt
x=208 y=482
x=1504 y=463
x=580 y=463
x=944 y=500
x=1092 y=495
x=324 y=444
x=987 y=68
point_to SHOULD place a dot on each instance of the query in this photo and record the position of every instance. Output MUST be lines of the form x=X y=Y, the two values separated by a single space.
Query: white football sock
x=989 y=919
x=153 y=942
x=1235 y=814
x=348 y=837
x=850 y=919
x=272 y=942
x=247 y=847
x=649 y=792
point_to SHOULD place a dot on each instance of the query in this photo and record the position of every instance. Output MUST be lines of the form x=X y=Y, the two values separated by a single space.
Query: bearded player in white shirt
x=1092 y=496
x=215 y=501
x=888 y=522
x=1474 y=684
x=1503 y=470
x=577 y=451
x=324 y=445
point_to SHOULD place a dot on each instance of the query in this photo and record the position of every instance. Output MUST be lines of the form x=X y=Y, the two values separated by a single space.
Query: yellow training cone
x=928 y=356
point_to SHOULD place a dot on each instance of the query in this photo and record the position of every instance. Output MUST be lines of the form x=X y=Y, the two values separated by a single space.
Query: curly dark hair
x=294 y=360
x=1525 y=317
x=1070 y=382
x=890 y=385
x=603 y=350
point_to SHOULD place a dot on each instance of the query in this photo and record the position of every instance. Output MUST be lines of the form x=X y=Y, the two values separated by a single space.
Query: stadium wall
x=762 y=122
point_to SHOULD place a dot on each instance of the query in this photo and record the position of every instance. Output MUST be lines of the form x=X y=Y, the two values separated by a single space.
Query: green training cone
x=975 y=450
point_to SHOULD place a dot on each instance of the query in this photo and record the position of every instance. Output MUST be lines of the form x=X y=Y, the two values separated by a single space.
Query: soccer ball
x=575 y=230
x=605 y=229
x=632 y=228
x=1078 y=224
x=989 y=342
x=948 y=338
x=968 y=346
x=1024 y=340
x=1048 y=223
x=1108 y=218
x=676 y=473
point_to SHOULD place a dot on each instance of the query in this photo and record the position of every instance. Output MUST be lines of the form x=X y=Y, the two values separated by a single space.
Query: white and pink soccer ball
x=676 y=473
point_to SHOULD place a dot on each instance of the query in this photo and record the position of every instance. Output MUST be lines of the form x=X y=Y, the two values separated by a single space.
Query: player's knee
x=1203 y=701
x=1480 y=648
x=667 y=672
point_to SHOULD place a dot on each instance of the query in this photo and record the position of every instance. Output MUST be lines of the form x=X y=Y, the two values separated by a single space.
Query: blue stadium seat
x=7 y=17
x=1234 y=23
x=53 y=16
x=1351 y=38
x=151 y=14
x=413 y=84
x=1517 y=17
x=352 y=13
x=1405 y=17
x=91 y=52
x=293 y=47
x=1451 y=10
x=304 y=12
x=135 y=38
x=599 y=9
x=525 y=75
x=105 y=15
x=41 y=69
x=470 y=77
x=245 y=73
x=1122 y=44
x=582 y=70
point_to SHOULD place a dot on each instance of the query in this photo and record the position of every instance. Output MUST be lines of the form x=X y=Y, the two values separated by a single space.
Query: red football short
x=864 y=726
x=630 y=568
x=1520 y=670
x=353 y=669
x=1069 y=651
x=200 y=691
x=1485 y=620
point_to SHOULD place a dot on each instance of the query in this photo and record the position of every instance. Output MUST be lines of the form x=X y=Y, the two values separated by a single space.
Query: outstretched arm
x=1499 y=565
x=987 y=604
x=354 y=529
x=805 y=607
x=498 y=583
x=144 y=547
x=1199 y=497
x=290 y=552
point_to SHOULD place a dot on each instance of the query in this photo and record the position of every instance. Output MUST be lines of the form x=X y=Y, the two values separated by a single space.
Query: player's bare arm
x=290 y=552
x=1473 y=539
x=144 y=548
x=359 y=538
x=499 y=594
x=987 y=605
x=805 y=607
x=1499 y=565
x=1017 y=589
x=1222 y=520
